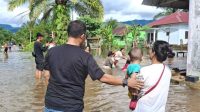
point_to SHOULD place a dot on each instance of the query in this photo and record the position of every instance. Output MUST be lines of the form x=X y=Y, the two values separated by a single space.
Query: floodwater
x=20 y=92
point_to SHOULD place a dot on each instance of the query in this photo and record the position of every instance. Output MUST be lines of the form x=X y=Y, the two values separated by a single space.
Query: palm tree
x=94 y=8
x=58 y=11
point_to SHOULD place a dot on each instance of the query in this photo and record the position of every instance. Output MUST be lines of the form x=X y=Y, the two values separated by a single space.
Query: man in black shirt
x=69 y=66
x=39 y=56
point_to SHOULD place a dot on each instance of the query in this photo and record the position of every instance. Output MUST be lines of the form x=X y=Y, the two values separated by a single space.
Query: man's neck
x=73 y=41
x=38 y=40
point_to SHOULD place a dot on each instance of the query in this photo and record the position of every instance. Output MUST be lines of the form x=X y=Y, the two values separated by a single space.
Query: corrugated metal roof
x=177 y=17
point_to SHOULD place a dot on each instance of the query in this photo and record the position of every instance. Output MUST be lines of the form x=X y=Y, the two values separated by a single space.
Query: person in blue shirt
x=133 y=69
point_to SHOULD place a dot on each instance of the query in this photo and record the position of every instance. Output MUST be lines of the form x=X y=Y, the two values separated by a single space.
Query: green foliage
x=58 y=11
x=138 y=34
x=62 y=19
x=28 y=46
x=93 y=25
x=5 y=36
x=107 y=37
x=112 y=23
x=23 y=35
x=136 y=31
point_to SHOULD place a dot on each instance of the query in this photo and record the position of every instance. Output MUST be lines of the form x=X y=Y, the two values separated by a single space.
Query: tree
x=58 y=11
x=93 y=25
x=5 y=36
x=108 y=37
x=112 y=23
x=137 y=37
x=23 y=35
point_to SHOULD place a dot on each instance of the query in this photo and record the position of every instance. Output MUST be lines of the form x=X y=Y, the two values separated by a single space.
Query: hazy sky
x=122 y=10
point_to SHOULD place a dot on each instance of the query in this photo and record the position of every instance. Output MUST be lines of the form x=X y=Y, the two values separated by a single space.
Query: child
x=133 y=69
x=6 y=49
x=109 y=60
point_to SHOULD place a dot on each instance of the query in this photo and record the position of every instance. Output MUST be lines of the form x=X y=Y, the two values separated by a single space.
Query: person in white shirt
x=155 y=100
x=119 y=55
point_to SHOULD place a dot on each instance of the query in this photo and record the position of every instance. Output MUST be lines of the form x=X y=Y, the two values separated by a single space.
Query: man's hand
x=47 y=44
x=133 y=83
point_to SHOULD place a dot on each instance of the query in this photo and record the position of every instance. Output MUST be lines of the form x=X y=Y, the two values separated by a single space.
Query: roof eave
x=178 y=4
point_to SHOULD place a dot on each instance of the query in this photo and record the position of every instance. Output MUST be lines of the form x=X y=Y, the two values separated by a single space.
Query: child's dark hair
x=135 y=54
x=161 y=49
x=110 y=53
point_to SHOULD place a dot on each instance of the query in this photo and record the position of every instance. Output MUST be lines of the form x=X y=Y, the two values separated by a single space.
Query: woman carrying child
x=157 y=78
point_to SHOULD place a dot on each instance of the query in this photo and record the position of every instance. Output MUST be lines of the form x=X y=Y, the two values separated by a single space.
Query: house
x=172 y=28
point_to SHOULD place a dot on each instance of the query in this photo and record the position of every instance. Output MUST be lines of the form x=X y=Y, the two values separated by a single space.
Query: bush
x=28 y=47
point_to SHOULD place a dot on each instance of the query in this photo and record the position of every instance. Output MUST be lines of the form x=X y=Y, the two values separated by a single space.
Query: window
x=186 y=34
x=167 y=33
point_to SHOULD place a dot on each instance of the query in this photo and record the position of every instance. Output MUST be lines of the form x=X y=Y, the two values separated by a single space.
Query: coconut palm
x=94 y=8
x=58 y=11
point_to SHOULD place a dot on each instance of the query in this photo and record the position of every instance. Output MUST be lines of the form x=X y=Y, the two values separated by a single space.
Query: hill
x=138 y=22
x=9 y=27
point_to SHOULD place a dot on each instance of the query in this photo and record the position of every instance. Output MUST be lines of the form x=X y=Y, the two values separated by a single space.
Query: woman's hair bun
x=161 y=49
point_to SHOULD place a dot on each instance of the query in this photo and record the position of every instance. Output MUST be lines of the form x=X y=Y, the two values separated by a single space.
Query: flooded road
x=20 y=92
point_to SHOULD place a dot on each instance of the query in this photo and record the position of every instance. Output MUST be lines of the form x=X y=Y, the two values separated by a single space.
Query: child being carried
x=133 y=69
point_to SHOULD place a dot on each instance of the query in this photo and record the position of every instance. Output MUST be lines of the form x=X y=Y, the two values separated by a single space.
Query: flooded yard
x=20 y=92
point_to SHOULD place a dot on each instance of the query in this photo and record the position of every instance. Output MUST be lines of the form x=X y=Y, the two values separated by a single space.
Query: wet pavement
x=20 y=92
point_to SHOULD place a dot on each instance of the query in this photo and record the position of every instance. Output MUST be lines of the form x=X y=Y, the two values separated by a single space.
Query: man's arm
x=44 y=48
x=96 y=73
x=132 y=82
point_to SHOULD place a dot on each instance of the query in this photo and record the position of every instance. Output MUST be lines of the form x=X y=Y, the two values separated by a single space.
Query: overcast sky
x=122 y=10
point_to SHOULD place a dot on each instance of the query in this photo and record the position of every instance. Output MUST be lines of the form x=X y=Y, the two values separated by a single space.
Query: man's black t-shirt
x=69 y=66
x=38 y=50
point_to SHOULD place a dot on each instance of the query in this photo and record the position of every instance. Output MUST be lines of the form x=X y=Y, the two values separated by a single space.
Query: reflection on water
x=20 y=92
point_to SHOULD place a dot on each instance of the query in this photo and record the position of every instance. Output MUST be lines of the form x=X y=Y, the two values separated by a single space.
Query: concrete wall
x=177 y=32
x=193 y=58
x=182 y=29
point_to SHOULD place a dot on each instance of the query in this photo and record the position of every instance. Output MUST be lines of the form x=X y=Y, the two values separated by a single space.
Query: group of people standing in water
x=68 y=66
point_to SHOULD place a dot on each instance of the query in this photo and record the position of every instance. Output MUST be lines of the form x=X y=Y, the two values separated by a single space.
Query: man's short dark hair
x=38 y=35
x=76 y=28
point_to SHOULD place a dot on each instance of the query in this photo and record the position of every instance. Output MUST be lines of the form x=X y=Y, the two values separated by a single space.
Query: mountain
x=9 y=28
x=138 y=22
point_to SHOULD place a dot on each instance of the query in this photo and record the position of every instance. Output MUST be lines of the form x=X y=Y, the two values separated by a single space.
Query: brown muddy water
x=20 y=92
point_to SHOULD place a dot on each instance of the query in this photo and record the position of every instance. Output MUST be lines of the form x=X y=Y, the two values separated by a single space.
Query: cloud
x=12 y=17
x=124 y=10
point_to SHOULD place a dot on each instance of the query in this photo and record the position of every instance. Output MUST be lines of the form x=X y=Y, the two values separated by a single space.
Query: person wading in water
x=39 y=56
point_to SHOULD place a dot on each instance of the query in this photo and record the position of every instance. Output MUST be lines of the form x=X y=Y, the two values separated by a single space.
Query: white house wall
x=182 y=29
x=177 y=32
